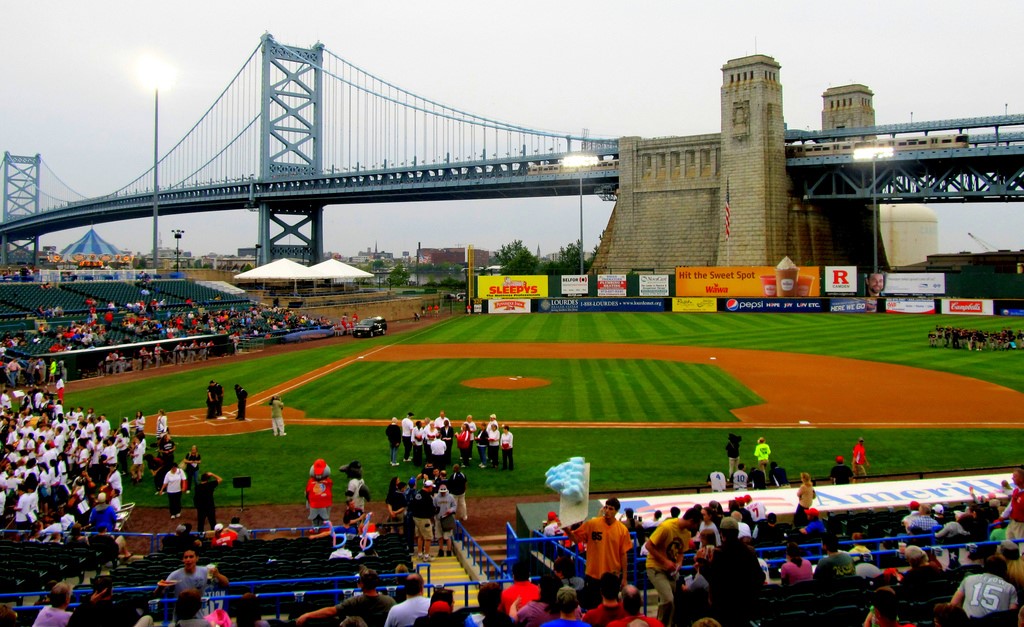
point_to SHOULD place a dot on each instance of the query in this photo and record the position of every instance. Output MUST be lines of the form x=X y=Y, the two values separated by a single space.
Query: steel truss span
x=990 y=174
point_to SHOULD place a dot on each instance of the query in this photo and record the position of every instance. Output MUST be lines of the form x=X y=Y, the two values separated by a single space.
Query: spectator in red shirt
x=610 y=608
x=632 y=604
x=522 y=588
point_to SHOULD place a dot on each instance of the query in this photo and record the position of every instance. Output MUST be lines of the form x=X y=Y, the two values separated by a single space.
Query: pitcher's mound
x=506 y=383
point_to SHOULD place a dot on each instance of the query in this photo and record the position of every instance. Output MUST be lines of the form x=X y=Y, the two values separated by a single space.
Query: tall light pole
x=874 y=153
x=156 y=75
x=578 y=162
x=177 y=248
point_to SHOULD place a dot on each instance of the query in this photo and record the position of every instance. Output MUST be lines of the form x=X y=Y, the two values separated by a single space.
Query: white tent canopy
x=282 y=269
x=334 y=269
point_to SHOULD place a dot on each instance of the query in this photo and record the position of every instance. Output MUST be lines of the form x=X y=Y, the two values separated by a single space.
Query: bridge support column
x=20 y=199
x=280 y=226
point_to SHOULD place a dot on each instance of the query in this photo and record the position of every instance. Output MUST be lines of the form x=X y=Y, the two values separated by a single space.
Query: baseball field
x=648 y=399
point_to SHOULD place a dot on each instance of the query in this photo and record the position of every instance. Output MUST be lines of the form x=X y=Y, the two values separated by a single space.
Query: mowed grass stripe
x=662 y=403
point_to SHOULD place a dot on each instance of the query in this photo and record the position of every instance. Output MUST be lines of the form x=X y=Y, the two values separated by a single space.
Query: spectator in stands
x=249 y=614
x=102 y=515
x=986 y=592
x=767 y=531
x=371 y=606
x=920 y=574
x=954 y=532
x=522 y=590
x=923 y=522
x=841 y=474
x=56 y=614
x=240 y=530
x=796 y=568
x=191 y=576
x=1014 y=512
x=404 y=614
x=734 y=577
x=100 y=609
x=836 y=564
x=632 y=604
x=610 y=607
x=949 y=615
x=567 y=604
x=884 y=608
x=8 y=617
x=565 y=570
x=188 y=609
x=815 y=527
x=1014 y=566
x=543 y=609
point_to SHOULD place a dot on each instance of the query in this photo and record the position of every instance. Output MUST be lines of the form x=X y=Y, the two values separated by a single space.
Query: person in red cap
x=552 y=526
x=841 y=474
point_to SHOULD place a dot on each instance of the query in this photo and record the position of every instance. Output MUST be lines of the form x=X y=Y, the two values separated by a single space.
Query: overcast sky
x=643 y=68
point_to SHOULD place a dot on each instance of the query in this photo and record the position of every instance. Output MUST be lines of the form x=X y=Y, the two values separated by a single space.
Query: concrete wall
x=670 y=209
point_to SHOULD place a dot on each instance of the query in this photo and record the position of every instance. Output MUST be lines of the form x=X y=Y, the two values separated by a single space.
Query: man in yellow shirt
x=665 y=549
x=607 y=542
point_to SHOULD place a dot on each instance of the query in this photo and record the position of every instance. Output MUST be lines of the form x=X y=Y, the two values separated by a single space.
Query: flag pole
x=728 y=226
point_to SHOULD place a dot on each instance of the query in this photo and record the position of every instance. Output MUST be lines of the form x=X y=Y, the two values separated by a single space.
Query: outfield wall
x=843 y=305
x=754 y=281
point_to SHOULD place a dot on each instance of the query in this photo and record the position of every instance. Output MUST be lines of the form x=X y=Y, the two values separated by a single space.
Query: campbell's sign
x=967 y=307
x=515 y=286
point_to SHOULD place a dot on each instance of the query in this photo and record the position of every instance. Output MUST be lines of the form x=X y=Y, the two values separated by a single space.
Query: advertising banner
x=852 y=305
x=748 y=281
x=508 y=306
x=967 y=307
x=586 y=305
x=910 y=306
x=521 y=286
x=1011 y=312
x=840 y=279
x=611 y=285
x=915 y=283
x=575 y=284
x=771 y=305
x=654 y=285
x=694 y=305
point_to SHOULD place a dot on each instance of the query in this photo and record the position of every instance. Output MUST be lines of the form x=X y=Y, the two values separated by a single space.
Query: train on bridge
x=558 y=168
x=898 y=144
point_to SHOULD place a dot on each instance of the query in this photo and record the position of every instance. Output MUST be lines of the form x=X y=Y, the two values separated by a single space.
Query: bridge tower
x=291 y=147
x=847 y=106
x=753 y=162
x=21 y=198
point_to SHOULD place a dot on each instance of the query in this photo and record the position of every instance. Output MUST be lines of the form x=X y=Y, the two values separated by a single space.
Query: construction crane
x=988 y=247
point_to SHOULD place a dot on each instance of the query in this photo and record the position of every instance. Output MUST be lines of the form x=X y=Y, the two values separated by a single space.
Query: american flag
x=727 y=211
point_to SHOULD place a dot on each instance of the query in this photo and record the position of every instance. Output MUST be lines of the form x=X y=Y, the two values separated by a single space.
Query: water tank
x=909 y=233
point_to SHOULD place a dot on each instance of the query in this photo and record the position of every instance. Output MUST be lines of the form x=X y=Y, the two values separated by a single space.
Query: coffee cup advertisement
x=784 y=280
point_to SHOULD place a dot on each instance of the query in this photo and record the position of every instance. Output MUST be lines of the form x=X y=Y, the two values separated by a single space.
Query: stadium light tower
x=177 y=248
x=578 y=162
x=874 y=153
x=156 y=75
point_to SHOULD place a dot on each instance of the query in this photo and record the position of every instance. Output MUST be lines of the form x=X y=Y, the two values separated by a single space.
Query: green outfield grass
x=580 y=389
x=626 y=459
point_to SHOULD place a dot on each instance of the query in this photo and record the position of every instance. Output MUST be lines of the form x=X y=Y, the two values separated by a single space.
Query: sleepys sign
x=517 y=286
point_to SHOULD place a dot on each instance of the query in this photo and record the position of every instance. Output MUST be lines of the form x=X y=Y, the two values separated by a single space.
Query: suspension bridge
x=297 y=129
